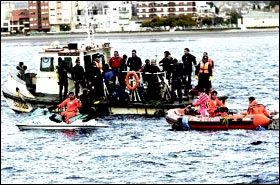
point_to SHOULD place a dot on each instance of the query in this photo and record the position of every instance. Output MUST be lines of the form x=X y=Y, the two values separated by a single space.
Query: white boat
x=40 y=119
x=40 y=88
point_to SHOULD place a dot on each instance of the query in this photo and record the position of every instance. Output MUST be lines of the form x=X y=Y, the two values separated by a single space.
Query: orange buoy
x=131 y=74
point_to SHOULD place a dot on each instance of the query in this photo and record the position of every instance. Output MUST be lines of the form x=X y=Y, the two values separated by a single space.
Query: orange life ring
x=131 y=74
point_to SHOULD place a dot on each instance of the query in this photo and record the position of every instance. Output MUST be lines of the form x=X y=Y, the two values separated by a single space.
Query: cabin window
x=46 y=64
x=68 y=62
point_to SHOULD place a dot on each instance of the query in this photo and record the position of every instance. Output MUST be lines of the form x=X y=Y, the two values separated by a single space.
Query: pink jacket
x=202 y=102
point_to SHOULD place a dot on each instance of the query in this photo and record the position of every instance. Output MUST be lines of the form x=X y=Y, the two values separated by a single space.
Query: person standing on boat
x=97 y=80
x=144 y=69
x=62 y=78
x=72 y=105
x=115 y=64
x=109 y=79
x=214 y=104
x=123 y=73
x=166 y=62
x=21 y=70
x=134 y=62
x=189 y=61
x=78 y=76
x=176 y=80
x=203 y=73
x=153 y=80
x=209 y=59
x=201 y=102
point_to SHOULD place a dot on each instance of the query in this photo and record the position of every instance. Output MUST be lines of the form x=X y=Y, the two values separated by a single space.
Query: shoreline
x=125 y=34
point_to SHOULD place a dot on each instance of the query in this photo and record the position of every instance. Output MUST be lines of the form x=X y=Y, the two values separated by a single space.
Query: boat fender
x=185 y=123
x=260 y=128
x=131 y=74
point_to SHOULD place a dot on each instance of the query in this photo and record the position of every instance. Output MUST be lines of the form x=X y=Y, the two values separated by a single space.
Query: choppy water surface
x=144 y=150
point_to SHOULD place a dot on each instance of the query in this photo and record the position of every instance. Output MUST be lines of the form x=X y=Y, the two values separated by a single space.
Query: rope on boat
x=225 y=121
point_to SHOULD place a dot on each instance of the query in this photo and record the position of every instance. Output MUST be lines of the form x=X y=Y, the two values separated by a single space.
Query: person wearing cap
x=78 y=76
x=72 y=105
x=189 y=61
x=209 y=59
x=203 y=73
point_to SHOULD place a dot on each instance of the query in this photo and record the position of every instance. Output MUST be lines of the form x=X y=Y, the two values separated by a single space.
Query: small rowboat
x=180 y=121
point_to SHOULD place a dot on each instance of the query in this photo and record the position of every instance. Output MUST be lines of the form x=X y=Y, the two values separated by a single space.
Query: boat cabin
x=46 y=78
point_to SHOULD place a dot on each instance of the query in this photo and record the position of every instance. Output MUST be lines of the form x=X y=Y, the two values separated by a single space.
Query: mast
x=90 y=31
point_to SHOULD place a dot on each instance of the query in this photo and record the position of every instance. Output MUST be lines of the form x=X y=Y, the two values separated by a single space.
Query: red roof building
x=19 y=20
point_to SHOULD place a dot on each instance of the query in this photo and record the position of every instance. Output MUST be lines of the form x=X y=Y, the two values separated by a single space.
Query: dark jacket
x=188 y=61
x=176 y=71
x=78 y=73
x=166 y=63
x=134 y=63
x=62 y=73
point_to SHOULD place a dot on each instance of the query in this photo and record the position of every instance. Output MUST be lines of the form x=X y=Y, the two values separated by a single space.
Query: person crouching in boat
x=201 y=102
x=72 y=105
x=214 y=104
x=256 y=108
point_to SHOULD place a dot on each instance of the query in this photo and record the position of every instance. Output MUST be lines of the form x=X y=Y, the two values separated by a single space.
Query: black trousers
x=203 y=82
x=176 y=85
x=77 y=87
x=63 y=86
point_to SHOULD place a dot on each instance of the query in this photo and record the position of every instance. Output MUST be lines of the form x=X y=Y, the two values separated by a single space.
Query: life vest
x=204 y=67
x=258 y=109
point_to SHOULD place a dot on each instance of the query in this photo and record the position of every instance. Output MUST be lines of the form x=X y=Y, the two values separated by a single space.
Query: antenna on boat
x=90 y=31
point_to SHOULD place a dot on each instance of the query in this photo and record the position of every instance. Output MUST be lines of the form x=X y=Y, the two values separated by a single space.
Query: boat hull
x=61 y=126
x=40 y=120
x=179 y=121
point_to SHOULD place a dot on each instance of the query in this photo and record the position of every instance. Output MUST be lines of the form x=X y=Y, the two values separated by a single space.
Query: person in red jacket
x=213 y=104
x=115 y=63
x=256 y=108
x=72 y=105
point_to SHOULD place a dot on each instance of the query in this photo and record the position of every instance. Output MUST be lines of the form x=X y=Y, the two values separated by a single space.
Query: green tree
x=272 y=4
x=234 y=15
x=206 y=20
x=171 y=21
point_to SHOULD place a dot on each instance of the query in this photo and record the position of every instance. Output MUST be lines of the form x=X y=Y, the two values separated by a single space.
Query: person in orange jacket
x=213 y=104
x=257 y=108
x=72 y=105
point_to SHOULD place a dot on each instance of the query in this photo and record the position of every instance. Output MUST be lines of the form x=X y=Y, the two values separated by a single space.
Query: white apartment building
x=149 y=9
x=6 y=9
x=116 y=16
x=60 y=13
x=259 y=19
x=204 y=10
